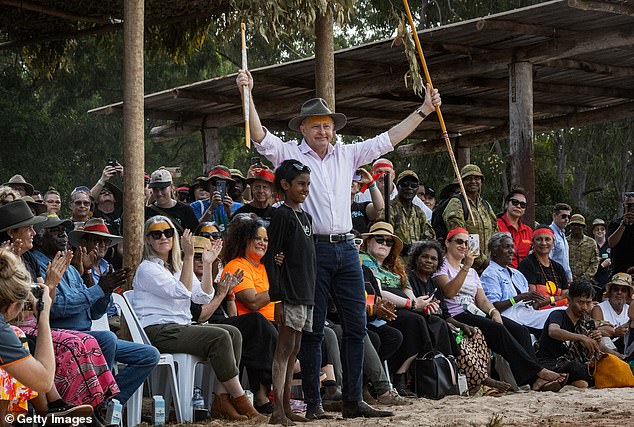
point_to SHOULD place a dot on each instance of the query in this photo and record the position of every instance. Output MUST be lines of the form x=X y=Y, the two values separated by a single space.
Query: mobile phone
x=474 y=243
x=221 y=187
x=357 y=175
x=255 y=161
x=112 y=162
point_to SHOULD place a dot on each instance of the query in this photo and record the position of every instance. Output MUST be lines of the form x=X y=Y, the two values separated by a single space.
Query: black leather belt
x=334 y=238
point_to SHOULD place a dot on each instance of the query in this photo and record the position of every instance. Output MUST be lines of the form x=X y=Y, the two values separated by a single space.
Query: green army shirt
x=411 y=225
x=584 y=257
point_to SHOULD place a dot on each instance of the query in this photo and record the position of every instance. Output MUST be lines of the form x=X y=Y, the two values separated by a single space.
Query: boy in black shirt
x=570 y=337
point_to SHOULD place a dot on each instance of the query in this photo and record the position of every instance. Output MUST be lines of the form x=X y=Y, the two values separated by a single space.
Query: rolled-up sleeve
x=274 y=149
x=371 y=149
x=151 y=277
x=491 y=285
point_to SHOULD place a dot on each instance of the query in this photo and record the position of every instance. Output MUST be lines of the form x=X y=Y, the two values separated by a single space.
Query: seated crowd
x=231 y=273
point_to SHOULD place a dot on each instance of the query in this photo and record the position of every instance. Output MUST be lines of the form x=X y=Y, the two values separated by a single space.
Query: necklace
x=306 y=228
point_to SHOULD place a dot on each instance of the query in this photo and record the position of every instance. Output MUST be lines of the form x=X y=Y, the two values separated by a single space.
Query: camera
x=357 y=175
x=38 y=293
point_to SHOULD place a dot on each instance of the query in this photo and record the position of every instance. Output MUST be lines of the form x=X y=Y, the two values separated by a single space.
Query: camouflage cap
x=577 y=219
x=471 y=170
x=407 y=174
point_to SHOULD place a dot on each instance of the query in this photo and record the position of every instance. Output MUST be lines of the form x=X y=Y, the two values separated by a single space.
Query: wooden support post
x=463 y=155
x=211 y=149
x=521 y=133
x=133 y=133
x=325 y=59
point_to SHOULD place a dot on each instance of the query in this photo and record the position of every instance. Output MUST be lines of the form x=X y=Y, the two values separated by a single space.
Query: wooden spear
x=445 y=135
x=245 y=90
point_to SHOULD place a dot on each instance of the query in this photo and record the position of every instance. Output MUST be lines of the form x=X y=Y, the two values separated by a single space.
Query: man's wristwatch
x=420 y=112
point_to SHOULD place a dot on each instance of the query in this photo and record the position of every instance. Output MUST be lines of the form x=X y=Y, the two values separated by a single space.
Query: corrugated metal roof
x=583 y=62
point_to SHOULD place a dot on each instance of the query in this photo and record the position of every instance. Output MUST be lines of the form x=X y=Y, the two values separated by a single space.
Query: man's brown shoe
x=244 y=407
x=223 y=408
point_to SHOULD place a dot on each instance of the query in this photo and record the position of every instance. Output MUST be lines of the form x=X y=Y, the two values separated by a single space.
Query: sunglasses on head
x=156 y=234
x=215 y=235
x=517 y=203
x=301 y=167
x=408 y=184
x=383 y=241
x=460 y=242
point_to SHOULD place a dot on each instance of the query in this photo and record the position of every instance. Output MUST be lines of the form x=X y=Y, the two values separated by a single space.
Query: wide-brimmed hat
x=620 y=279
x=18 y=181
x=160 y=178
x=94 y=227
x=200 y=244
x=17 y=214
x=220 y=172
x=407 y=174
x=236 y=174
x=260 y=173
x=316 y=107
x=381 y=228
x=471 y=170
x=577 y=219
x=51 y=220
x=37 y=207
x=116 y=192
x=598 y=221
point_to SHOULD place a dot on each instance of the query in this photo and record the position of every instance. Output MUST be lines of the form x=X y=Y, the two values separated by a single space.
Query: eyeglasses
x=301 y=167
x=99 y=240
x=358 y=241
x=564 y=216
x=628 y=194
x=408 y=184
x=156 y=234
x=81 y=203
x=460 y=242
x=383 y=241
x=517 y=203
x=215 y=235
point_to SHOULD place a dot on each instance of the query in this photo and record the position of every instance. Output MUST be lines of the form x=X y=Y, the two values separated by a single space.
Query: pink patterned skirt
x=81 y=372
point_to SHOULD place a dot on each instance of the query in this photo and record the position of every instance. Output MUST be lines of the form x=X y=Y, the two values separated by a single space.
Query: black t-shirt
x=31 y=265
x=265 y=213
x=112 y=220
x=360 y=220
x=537 y=274
x=181 y=214
x=294 y=281
x=603 y=274
x=623 y=253
x=550 y=348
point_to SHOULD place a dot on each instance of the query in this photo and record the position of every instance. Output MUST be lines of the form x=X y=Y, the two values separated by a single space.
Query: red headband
x=456 y=231
x=544 y=230
x=97 y=227
x=382 y=165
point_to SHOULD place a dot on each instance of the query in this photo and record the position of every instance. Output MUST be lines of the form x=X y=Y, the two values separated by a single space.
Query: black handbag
x=435 y=376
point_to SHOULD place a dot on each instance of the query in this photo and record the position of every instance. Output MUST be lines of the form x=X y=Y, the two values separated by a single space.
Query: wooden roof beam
x=521 y=28
x=201 y=95
x=590 y=67
x=602 y=6
x=47 y=10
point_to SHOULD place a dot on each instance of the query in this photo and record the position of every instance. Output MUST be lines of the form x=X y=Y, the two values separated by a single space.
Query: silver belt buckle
x=330 y=237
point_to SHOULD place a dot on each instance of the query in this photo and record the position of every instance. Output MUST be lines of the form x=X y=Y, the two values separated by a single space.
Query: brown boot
x=222 y=408
x=244 y=407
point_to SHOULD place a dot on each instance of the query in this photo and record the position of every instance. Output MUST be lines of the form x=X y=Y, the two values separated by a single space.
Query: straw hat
x=381 y=228
x=620 y=279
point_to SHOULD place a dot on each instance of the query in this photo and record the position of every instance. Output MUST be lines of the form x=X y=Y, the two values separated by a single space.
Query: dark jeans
x=338 y=274
x=140 y=360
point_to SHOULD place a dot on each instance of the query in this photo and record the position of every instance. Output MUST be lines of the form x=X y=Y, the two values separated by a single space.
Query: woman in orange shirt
x=246 y=244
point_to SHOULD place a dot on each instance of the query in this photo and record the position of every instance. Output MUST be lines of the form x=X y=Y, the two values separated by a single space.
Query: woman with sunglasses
x=80 y=204
x=467 y=303
x=164 y=287
x=511 y=222
x=381 y=255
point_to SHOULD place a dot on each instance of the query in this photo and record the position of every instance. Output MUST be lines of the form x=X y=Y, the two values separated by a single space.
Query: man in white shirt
x=338 y=269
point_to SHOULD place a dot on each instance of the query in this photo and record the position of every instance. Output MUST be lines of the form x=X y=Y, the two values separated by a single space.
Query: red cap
x=456 y=231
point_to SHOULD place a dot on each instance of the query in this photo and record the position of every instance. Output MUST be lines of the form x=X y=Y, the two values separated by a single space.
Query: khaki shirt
x=485 y=224
x=411 y=224
x=584 y=257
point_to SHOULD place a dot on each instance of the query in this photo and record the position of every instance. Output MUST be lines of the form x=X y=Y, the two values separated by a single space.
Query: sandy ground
x=569 y=407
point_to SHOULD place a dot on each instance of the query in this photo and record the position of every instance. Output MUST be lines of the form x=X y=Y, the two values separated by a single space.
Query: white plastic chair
x=186 y=374
x=165 y=365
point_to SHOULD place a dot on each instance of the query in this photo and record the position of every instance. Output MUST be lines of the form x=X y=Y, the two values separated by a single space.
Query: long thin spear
x=245 y=90
x=445 y=135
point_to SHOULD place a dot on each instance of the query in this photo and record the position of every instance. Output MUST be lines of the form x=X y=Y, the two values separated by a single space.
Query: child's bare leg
x=297 y=336
x=283 y=351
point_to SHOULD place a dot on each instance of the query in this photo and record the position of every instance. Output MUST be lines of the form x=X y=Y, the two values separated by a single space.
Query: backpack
x=437 y=221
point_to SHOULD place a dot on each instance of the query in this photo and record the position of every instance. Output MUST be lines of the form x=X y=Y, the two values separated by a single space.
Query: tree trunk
x=325 y=59
x=133 y=135
x=211 y=149
x=498 y=151
x=580 y=171
x=560 y=156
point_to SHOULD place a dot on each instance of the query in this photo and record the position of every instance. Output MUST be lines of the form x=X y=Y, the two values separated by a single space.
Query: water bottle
x=198 y=405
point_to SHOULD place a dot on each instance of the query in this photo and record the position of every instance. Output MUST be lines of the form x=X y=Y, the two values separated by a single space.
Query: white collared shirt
x=330 y=179
x=161 y=298
x=367 y=197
